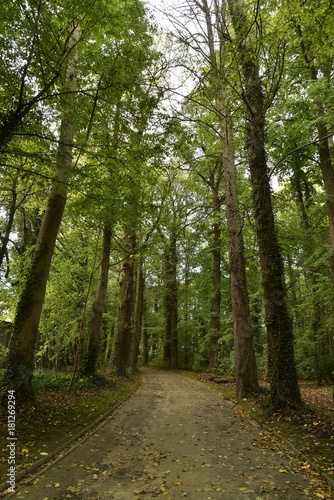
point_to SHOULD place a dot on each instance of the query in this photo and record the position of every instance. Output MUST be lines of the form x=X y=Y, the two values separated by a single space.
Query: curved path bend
x=174 y=439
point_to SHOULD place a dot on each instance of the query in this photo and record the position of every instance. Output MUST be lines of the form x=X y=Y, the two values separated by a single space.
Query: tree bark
x=146 y=336
x=89 y=363
x=171 y=303
x=284 y=390
x=216 y=280
x=137 y=318
x=146 y=346
x=20 y=361
x=123 y=337
x=245 y=361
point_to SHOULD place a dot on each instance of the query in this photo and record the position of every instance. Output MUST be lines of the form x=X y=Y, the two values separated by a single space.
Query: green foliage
x=93 y=380
x=138 y=167
x=46 y=381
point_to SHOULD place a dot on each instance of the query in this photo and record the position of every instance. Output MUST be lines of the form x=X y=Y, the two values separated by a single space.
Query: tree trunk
x=89 y=363
x=216 y=280
x=245 y=361
x=327 y=171
x=146 y=346
x=137 y=318
x=328 y=178
x=123 y=337
x=171 y=304
x=298 y=190
x=20 y=361
x=284 y=390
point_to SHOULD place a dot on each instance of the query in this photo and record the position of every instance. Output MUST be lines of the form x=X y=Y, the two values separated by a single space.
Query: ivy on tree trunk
x=124 y=330
x=284 y=389
x=20 y=360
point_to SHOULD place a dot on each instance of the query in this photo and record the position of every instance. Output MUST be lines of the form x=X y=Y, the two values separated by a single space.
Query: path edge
x=285 y=441
x=33 y=467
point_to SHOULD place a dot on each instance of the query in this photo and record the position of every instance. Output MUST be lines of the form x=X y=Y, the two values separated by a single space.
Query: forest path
x=174 y=439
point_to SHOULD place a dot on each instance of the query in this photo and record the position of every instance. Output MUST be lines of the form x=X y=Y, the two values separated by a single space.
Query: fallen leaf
x=73 y=489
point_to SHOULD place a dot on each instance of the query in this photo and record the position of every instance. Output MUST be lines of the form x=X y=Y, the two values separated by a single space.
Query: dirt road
x=174 y=439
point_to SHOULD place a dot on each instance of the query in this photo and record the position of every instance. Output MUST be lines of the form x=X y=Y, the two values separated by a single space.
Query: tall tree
x=138 y=313
x=284 y=390
x=246 y=371
x=20 y=361
x=89 y=363
x=171 y=358
x=125 y=314
x=213 y=45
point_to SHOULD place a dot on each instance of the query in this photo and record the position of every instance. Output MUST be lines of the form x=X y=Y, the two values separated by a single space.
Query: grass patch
x=56 y=416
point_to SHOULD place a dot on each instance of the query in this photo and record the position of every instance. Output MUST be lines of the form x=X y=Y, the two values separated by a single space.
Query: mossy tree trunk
x=245 y=360
x=124 y=330
x=20 y=360
x=216 y=272
x=171 y=303
x=284 y=390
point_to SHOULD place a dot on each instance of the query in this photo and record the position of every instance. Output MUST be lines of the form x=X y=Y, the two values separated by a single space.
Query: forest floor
x=177 y=437
x=309 y=432
x=57 y=415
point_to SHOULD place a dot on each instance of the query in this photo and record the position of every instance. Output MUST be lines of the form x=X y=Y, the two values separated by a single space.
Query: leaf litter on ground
x=56 y=416
x=309 y=431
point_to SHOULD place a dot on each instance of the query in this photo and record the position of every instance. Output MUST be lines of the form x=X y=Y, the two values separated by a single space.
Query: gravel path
x=174 y=439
